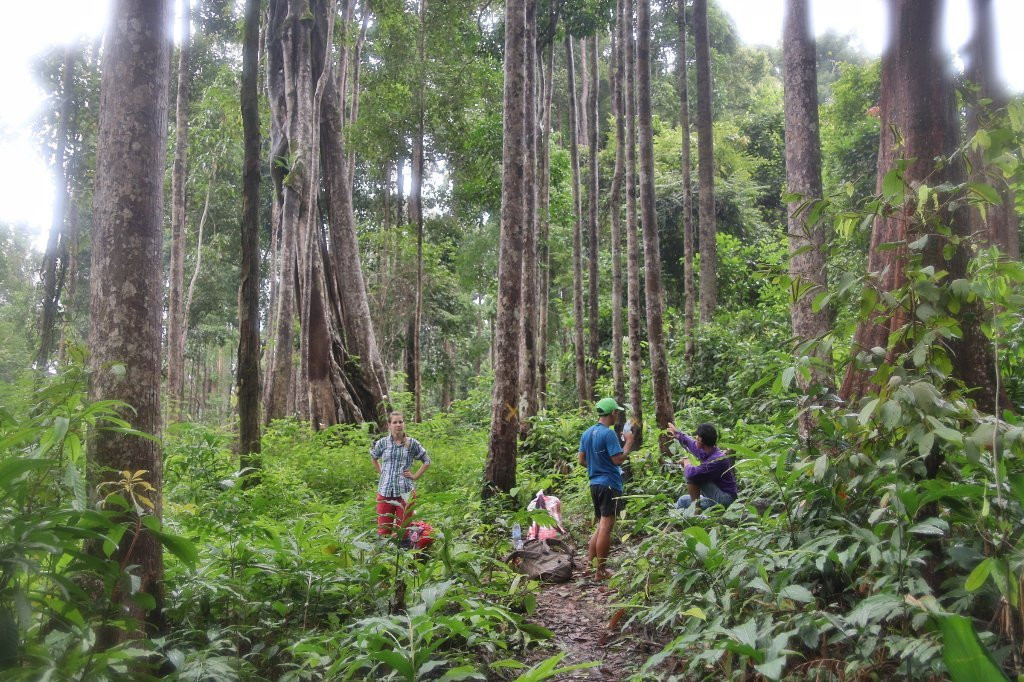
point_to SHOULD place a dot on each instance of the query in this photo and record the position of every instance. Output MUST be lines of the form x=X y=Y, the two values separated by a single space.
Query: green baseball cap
x=607 y=406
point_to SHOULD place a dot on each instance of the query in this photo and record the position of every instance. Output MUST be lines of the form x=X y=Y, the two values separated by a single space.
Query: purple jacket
x=714 y=467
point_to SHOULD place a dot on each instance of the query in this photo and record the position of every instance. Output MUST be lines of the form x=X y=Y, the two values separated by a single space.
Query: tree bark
x=55 y=260
x=705 y=165
x=616 y=75
x=583 y=122
x=528 y=347
x=248 y=377
x=500 y=469
x=1000 y=225
x=918 y=101
x=416 y=212
x=126 y=288
x=583 y=393
x=652 y=248
x=632 y=244
x=544 y=261
x=279 y=381
x=186 y=307
x=175 y=294
x=593 y=317
x=400 y=190
x=687 y=221
x=803 y=177
x=359 y=359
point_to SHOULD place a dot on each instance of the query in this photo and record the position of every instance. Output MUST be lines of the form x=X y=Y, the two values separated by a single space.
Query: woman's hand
x=408 y=474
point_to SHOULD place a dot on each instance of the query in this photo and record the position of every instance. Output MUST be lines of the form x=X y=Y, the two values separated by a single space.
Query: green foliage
x=17 y=301
x=849 y=132
x=59 y=579
x=883 y=546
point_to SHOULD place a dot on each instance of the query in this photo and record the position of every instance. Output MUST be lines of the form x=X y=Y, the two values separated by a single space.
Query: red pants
x=392 y=513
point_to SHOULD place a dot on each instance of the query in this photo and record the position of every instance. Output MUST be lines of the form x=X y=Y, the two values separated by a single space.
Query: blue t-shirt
x=600 y=444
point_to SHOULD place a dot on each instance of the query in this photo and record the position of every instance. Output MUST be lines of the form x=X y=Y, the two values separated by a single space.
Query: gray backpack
x=547 y=560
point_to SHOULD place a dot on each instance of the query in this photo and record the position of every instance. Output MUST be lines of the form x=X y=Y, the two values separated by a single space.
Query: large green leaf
x=183 y=548
x=965 y=657
x=10 y=469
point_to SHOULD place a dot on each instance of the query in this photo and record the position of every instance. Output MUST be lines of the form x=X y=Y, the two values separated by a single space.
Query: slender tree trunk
x=1000 y=225
x=918 y=101
x=582 y=122
x=400 y=190
x=632 y=245
x=249 y=287
x=500 y=470
x=357 y=61
x=592 y=182
x=687 y=221
x=186 y=308
x=583 y=392
x=616 y=76
x=652 y=247
x=179 y=175
x=544 y=261
x=416 y=212
x=803 y=177
x=528 y=348
x=705 y=165
x=126 y=288
x=55 y=260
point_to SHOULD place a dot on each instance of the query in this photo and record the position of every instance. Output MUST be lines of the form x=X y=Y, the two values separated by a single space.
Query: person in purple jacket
x=711 y=482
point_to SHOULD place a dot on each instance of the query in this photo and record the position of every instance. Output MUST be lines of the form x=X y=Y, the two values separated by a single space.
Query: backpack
x=553 y=506
x=547 y=560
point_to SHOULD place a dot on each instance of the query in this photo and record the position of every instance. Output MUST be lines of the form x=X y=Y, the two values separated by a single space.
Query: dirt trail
x=585 y=621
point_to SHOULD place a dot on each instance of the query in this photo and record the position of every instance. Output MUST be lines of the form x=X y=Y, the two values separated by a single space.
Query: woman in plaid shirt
x=392 y=456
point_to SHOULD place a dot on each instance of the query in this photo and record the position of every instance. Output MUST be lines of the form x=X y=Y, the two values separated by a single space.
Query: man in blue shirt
x=601 y=453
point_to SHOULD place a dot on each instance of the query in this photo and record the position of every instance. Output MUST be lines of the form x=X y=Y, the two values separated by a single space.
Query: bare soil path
x=585 y=620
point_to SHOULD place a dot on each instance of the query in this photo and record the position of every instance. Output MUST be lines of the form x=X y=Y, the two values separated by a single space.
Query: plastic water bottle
x=517 y=536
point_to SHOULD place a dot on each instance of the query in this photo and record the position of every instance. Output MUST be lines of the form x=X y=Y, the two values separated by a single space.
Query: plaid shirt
x=394 y=459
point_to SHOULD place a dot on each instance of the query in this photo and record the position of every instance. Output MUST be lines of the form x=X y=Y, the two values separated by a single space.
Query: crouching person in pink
x=393 y=456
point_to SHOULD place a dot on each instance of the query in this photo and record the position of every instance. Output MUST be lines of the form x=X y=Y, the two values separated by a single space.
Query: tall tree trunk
x=357 y=52
x=279 y=381
x=500 y=469
x=55 y=260
x=528 y=347
x=632 y=244
x=803 y=177
x=400 y=190
x=616 y=76
x=592 y=115
x=186 y=307
x=918 y=101
x=652 y=247
x=126 y=288
x=416 y=212
x=705 y=165
x=583 y=392
x=582 y=122
x=544 y=262
x=175 y=316
x=358 y=356
x=687 y=221
x=249 y=287
x=1000 y=224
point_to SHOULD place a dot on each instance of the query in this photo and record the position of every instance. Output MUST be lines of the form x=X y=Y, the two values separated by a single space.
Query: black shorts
x=607 y=500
